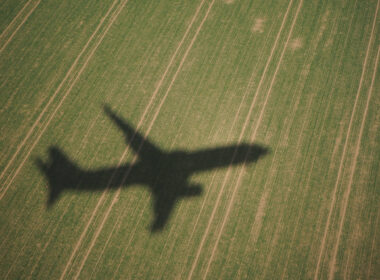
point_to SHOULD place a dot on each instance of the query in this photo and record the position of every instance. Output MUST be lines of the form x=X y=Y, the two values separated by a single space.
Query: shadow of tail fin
x=60 y=172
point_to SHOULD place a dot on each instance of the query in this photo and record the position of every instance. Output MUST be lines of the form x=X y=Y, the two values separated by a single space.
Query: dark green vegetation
x=299 y=78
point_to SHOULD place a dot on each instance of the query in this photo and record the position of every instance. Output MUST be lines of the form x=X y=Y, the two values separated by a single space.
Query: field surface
x=204 y=139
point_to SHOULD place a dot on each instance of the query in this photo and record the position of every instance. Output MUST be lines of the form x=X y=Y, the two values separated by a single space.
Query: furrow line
x=17 y=219
x=179 y=68
x=229 y=138
x=64 y=97
x=54 y=229
x=82 y=143
x=268 y=260
x=314 y=157
x=99 y=229
x=352 y=171
x=252 y=138
x=195 y=262
x=114 y=17
x=18 y=27
x=14 y=19
x=120 y=217
x=262 y=203
x=187 y=111
x=129 y=241
x=52 y=98
x=25 y=242
x=257 y=224
x=373 y=244
x=285 y=131
x=321 y=251
x=100 y=201
x=116 y=196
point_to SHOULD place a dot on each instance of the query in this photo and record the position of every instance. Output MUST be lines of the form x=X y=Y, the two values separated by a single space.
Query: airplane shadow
x=165 y=173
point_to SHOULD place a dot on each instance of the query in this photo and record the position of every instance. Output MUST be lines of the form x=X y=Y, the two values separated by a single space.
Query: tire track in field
x=14 y=20
x=314 y=157
x=120 y=217
x=57 y=224
x=212 y=134
x=74 y=80
x=274 y=166
x=112 y=20
x=373 y=245
x=256 y=226
x=16 y=221
x=105 y=134
x=215 y=172
x=117 y=193
x=24 y=241
x=130 y=240
x=66 y=208
x=249 y=86
x=181 y=202
x=19 y=26
x=353 y=168
x=158 y=262
x=50 y=101
x=333 y=200
x=252 y=138
x=195 y=262
x=260 y=212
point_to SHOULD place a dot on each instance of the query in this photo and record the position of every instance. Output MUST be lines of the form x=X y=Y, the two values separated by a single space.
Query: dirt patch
x=296 y=44
x=228 y=1
x=256 y=229
x=258 y=26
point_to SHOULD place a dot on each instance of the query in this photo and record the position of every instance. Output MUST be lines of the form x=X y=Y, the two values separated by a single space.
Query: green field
x=264 y=115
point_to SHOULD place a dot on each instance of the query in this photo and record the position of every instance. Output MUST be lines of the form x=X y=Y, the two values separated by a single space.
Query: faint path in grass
x=373 y=247
x=256 y=226
x=5 y=31
x=346 y=195
x=66 y=206
x=229 y=137
x=11 y=177
x=117 y=193
x=333 y=199
x=19 y=26
x=253 y=137
x=218 y=199
x=314 y=157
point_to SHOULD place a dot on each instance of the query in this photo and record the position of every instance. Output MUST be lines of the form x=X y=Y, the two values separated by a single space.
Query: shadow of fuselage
x=165 y=173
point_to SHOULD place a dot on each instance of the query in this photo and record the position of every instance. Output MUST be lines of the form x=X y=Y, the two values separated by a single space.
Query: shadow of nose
x=258 y=152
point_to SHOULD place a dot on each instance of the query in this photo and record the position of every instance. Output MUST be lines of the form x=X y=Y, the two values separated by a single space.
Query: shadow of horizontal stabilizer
x=165 y=173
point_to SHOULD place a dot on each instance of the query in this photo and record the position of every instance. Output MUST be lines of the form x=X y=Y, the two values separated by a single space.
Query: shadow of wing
x=134 y=139
x=223 y=156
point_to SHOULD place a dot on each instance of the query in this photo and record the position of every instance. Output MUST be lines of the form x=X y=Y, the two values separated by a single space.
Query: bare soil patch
x=258 y=26
x=295 y=44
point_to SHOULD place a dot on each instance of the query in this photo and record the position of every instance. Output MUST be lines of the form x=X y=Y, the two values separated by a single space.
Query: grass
x=194 y=75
